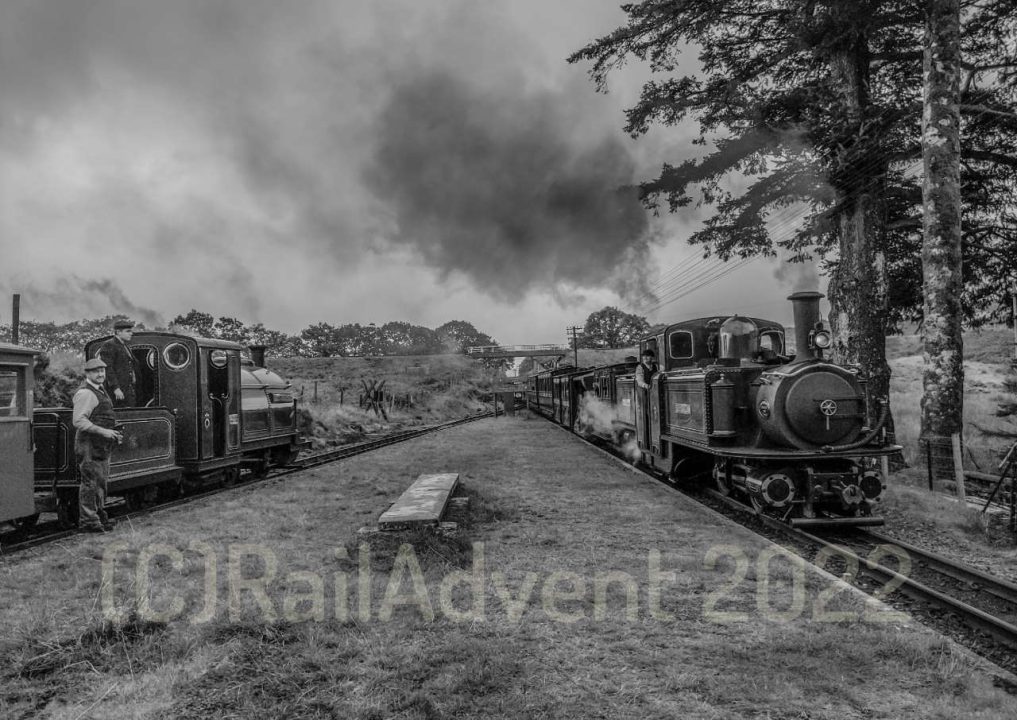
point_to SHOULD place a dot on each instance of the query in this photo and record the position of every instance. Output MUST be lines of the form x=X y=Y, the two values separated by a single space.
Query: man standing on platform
x=121 y=367
x=95 y=436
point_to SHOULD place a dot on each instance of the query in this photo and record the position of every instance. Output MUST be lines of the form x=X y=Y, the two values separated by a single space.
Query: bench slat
x=423 y=502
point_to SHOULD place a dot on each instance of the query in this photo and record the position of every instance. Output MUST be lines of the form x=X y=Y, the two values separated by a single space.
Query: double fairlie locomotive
x=204 y=413
x=728 y=405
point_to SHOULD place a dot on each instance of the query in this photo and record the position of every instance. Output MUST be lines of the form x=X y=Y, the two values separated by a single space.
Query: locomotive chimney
x=257 y=354
x=806 y=311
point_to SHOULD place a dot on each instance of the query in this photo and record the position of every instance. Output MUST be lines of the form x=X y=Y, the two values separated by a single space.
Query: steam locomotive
x=728 y=406
x=204 y=414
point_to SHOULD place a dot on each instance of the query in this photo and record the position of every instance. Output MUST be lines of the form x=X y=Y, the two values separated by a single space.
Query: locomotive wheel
x=169 y=491
x=26 y=523
x=67 y=511
x=260 y=469
x=140 y=498
x=756 y=505
x=134 y=500
x=284 y=456
x=230 y=476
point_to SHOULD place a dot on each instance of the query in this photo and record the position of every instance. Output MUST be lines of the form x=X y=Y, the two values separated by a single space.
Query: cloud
x=497 y=183
x=230 y=154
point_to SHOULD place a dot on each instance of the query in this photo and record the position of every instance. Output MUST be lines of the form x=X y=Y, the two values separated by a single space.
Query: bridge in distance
x=514 y=351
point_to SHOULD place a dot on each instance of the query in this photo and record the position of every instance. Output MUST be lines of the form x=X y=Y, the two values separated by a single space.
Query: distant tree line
x=318 y=340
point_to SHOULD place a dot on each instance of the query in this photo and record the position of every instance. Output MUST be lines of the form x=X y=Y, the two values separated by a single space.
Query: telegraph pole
x=573 y=332
x=16 y=319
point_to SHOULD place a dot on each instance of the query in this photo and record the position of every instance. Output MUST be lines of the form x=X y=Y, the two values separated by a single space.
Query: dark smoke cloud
x=89 y=299
x=201 y=144
x=499 y=184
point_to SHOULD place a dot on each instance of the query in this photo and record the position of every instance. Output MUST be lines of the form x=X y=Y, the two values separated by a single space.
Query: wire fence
x=943 y=459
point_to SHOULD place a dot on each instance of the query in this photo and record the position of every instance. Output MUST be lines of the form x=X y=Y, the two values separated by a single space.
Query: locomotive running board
x=837 y=522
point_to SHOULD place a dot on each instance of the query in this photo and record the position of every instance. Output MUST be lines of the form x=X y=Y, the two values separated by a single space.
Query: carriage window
x=680 y=345
x=176 y=356
x=12 y=393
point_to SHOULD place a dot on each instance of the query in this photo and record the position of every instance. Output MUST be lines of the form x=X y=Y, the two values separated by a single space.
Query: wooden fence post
x=958 y=465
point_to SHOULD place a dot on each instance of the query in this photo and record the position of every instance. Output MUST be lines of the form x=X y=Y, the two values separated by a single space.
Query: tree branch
x=982 y=110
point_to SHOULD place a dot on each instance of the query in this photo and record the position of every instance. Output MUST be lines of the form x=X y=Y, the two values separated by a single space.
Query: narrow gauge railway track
x=49 y=532
x=982 y=601
x=941 y=594
x=938 y=591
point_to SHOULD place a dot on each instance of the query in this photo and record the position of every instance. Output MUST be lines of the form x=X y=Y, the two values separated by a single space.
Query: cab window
x=771 y=341
x=680 y=345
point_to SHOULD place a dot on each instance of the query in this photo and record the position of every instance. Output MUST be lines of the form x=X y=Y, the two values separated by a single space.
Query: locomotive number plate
x=234 y=419
x=682 y=412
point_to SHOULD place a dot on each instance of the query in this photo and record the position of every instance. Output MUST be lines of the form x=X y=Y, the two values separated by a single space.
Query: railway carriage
x=17 y=500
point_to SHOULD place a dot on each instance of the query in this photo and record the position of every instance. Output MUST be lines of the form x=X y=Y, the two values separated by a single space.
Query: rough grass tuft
x=103 y=647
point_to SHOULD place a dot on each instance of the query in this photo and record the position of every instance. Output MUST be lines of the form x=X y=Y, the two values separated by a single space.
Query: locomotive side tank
x=269 y=412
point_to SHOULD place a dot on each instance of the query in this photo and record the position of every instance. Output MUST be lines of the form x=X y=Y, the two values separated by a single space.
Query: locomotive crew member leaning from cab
x=646 y=369
x=95 y=435
x=121 y=367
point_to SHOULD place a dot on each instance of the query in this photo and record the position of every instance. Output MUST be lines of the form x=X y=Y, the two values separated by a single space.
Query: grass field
x=601 y=595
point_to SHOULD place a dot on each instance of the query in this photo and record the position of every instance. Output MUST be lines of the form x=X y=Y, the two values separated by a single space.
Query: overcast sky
x=334 y=161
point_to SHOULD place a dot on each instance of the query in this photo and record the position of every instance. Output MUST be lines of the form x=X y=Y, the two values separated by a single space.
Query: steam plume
x=89 y=298
x=498 y=185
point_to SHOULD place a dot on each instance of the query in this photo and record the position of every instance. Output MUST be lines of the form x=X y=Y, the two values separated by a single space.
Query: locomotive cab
x=198 y=381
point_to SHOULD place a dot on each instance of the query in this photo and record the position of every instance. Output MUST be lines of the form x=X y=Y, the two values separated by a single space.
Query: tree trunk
x=858 y=285
x=858 y=302
x=943 y=379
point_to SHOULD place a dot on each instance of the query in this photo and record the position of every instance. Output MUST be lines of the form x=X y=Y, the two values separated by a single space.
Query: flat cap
x=94 y=364
x=123 y=325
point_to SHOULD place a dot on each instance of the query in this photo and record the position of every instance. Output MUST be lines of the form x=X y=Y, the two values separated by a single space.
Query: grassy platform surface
x=570 y=588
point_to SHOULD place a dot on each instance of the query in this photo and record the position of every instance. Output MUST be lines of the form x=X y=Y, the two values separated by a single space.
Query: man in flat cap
x=121 y=366
x=95 y=436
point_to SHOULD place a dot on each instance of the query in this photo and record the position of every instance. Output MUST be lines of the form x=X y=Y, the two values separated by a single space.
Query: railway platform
x=576 y=588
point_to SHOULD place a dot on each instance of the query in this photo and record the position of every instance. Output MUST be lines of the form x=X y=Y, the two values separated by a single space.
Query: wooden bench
x=423 y=502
